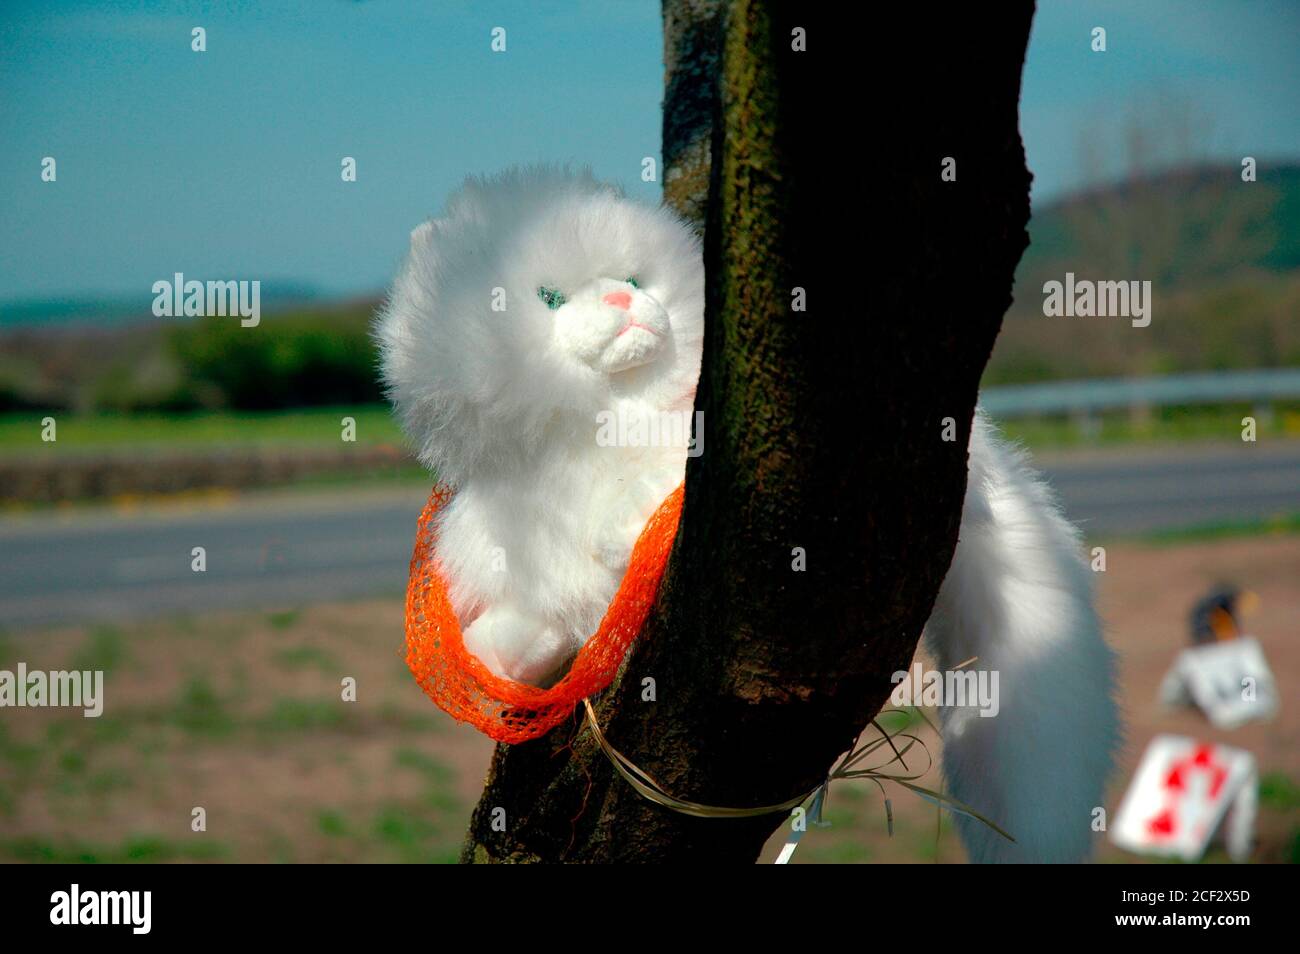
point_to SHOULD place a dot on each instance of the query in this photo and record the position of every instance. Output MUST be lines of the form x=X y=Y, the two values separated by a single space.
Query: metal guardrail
x=1087 y=397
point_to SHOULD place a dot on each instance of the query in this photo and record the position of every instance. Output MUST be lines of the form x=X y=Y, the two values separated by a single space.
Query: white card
x=1180 y=796
x=1230 y=681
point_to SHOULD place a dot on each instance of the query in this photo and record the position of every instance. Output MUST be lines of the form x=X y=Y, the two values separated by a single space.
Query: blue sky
x=1227 y=71
x=226 y=163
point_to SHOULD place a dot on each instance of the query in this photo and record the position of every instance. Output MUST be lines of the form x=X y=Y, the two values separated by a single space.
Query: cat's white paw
x=515 y=645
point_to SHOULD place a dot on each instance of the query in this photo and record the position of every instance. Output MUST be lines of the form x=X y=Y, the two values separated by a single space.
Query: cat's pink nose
x=619 y=299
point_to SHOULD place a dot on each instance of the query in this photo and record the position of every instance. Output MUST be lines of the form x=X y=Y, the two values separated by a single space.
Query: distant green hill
x=115 y=311
x=1223 y=257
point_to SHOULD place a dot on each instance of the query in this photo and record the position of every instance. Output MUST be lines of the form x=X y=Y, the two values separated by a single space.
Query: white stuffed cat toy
x=538 y=302
x=544 y=299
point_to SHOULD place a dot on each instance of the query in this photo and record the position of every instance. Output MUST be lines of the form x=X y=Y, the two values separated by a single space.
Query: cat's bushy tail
x=1019 y=597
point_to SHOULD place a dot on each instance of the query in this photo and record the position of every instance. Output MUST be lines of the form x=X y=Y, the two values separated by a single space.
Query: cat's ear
x=422 y=235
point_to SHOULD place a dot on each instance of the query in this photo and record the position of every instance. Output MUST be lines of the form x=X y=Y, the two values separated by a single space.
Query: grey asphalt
x=284 y=549
x=1127 y=492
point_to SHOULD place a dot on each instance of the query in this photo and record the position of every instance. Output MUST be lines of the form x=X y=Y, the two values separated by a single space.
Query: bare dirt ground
x=241 y=715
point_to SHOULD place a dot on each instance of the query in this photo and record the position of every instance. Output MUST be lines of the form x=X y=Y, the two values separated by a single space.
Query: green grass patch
x=137 y=850
x=19 y=756
x=283 y=620
x=99 y=784
x=332 y=824
x=107 y=730
x=200 y=710
x=431 y=768
x=833 y=850
x=412 y=837
x=1278 y=791
x=72 y=762
x=104 y=650
x=303 y=657
x=439 y=777
x=398 y=719
x=1284 y=524
x=21 y=432
x=1162 y=425
x=301 y=715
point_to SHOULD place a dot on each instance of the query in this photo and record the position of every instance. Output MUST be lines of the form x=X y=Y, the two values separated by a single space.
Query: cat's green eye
x=633 y=282
x=553 y=298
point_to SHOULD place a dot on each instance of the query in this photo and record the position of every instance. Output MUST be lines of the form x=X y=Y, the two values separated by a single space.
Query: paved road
x=278 y=550
x=1126 y=492
x=285 y=549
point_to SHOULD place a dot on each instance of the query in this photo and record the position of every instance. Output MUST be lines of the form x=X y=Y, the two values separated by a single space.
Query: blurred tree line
x=302 y=362
x=299 y=359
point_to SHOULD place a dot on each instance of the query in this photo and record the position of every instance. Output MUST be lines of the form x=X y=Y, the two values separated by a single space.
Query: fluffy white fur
x=1019 y=596
x=503 y=404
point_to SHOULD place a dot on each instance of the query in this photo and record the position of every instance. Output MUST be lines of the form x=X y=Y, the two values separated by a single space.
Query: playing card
x=1180 y=795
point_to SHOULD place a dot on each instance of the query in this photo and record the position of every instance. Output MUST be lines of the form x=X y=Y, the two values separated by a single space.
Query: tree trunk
x=822 y=427
x=692 y=41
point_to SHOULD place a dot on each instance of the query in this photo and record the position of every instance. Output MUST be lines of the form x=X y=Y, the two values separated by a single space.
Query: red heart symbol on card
x=1162 y=824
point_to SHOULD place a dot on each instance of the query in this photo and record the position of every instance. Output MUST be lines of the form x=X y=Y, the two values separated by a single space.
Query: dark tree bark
x=692 y=41
x=822 y=427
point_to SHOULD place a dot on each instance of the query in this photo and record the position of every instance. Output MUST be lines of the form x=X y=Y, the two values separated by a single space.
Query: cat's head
x=537 y=300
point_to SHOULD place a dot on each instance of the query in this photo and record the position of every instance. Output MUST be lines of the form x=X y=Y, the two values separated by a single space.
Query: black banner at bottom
x=211 y=904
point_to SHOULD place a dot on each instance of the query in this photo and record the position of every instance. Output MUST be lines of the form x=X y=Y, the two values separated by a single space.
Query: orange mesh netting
x=506 y=710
